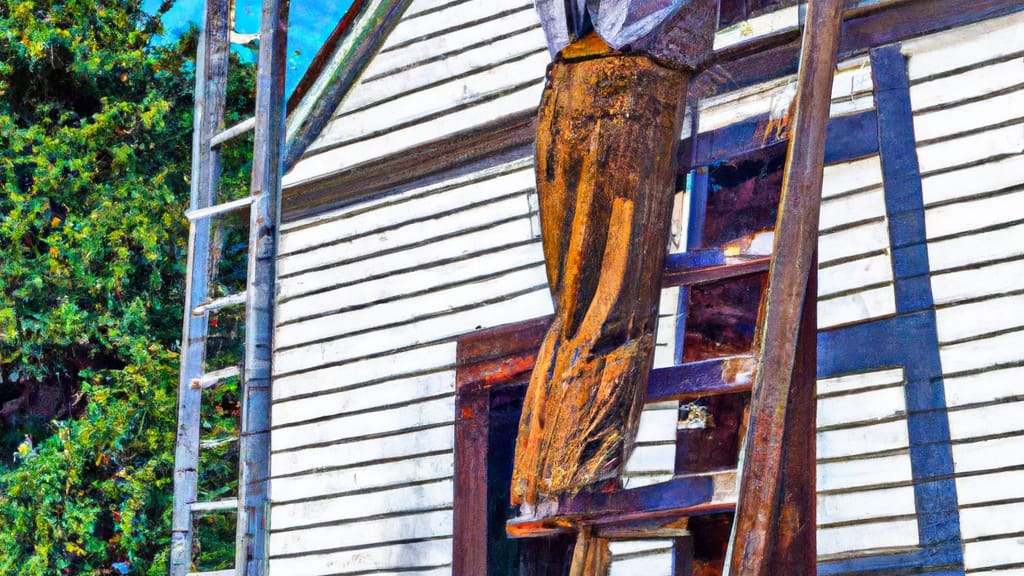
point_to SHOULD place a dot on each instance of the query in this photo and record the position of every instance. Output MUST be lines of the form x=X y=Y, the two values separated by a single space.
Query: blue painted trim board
x=697 y=188
x=909 y=339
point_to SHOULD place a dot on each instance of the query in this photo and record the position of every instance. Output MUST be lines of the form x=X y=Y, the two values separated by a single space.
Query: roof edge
x=336 y=67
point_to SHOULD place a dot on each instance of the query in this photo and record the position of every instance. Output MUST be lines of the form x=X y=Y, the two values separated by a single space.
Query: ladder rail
x=252 y=548
x=210 y=102
x=778 y=403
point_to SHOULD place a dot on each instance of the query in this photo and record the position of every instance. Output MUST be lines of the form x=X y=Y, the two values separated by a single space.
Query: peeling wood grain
x=606 y=195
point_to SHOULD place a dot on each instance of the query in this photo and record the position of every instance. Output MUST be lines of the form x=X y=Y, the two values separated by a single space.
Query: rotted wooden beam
x=765 y=518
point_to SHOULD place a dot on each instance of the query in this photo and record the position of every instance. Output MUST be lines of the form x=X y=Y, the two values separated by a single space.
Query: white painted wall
x=967 y=89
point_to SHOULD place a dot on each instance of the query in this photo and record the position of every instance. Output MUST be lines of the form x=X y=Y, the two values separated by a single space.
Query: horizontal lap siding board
x=967 y=91
x=864 y=479
x=372 y=299
x=855 y=276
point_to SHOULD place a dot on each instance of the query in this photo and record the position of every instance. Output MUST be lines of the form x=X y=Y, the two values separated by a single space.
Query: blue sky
x=310 y=23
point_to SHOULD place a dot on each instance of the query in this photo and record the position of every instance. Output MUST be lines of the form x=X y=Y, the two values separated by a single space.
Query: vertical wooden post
x=471 y=429
x=251 y=555
x=211 y=81
x=796 y=234
x=794 y=552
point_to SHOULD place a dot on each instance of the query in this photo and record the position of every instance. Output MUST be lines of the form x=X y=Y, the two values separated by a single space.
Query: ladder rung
x=230 y=572
x=684 y=270
x=714 y=377
x=229 y=300
x=242 y=39
x=233 y=132
x=658 y=506
x=215 y=506
x=207 y=444
x=218 y=209
x=211 y=379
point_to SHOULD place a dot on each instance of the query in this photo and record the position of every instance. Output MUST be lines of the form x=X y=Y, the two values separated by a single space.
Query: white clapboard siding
x=856 y=307
x=422 y=6
x=860 y=240
x=536 y=302
x=973 y=180
x=417 y=204
x=868 y=505
x=975 y=249
x=434 y=77
x=991 y=386
x=862 y=407
x=415 y=526
x=406 y=235
x=993 y=520
x=868 y=439
x=477 y=242
x=436 y=412
x=409 y=309
x=520 y=45
x=376 y=560
x=453 y=16
x=364 y=398
x=450 y=43
x=355 y=480
x=1002 y=418
x=847 y=276
x=653 y=456
x=991 y=553
x=860 y=493
x=371 y=370
x=866 y=538
x=852 y=208
x=435 y=100
x=362 y=452
x=964 y=47
x=855 y=269
x=966 y=93
x=847 y=177
x=974 y=319
x=965 y=216
x=429 y=496
x=990 y=280
x=346 y=155
x=983 y=455
x=990 y=112
x=971 y=148
x=861 y=473
x=377 y=290
x=373 y=297
x=984 y=353
x=973 y=83
x=646 y=557
x=994 y=487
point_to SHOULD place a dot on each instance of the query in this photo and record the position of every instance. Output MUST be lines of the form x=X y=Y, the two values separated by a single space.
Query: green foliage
x=98 y=492
x=95 y=136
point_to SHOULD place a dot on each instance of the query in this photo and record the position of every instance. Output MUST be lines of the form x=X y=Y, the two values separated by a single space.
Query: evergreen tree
x=95 y=136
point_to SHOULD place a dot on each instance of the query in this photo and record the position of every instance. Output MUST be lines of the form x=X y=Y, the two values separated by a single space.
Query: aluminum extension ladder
x=252 y=503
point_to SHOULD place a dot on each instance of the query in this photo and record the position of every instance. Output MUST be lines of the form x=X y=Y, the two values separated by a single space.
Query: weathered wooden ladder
x=251 y=504
x=772 y=490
